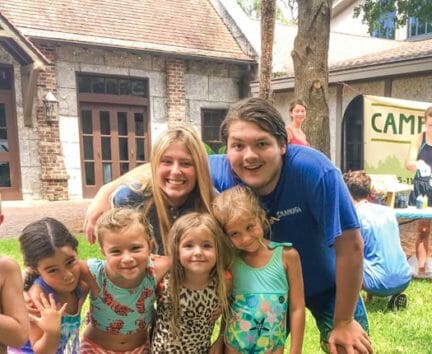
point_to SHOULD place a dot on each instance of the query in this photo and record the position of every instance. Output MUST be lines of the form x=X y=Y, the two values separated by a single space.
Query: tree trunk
x=310 y=58
x=268 y=14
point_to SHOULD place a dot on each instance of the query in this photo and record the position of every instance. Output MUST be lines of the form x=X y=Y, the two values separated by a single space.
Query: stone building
x=121 y=72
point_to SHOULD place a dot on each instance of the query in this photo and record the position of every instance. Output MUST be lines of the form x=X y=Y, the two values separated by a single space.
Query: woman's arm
x=101 y=201
x=411 y=161
x=14 y=321
x=296 y=299
x=289 y=133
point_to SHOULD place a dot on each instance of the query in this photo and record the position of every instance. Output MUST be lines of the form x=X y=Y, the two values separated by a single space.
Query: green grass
x=401 y=332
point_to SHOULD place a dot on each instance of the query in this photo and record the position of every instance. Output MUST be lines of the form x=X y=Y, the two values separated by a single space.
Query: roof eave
x=357 y=73
x=19 y=46
x=94 y=41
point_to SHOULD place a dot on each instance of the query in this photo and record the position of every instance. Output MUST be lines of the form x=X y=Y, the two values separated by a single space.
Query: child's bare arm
x=296 y=299
x=87 y=278
x=162 y=265
x=14 y=321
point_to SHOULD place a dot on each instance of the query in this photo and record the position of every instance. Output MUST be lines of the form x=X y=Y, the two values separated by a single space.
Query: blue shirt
x=309 y=207
x=385 y=266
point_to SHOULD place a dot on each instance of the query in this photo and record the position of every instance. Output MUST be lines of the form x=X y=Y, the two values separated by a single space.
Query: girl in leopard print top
x=194 y=293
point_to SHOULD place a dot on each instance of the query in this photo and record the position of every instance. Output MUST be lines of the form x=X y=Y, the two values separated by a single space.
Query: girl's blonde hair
x=224 y=257
x=239 y=202
x=119 y=219
x=203 y=191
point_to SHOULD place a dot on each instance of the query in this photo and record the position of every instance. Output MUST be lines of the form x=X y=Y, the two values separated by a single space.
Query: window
x=211 y=120
x=417 y=27
x=385 y=26
x=112 y=86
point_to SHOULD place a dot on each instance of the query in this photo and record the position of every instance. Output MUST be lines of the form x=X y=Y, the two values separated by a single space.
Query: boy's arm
x=296 y=299
x=347 y=332
x=101 y=201
x=14 y=321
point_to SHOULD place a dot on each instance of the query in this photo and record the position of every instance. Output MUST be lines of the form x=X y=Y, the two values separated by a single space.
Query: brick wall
x=176 y=90
x=53 y=173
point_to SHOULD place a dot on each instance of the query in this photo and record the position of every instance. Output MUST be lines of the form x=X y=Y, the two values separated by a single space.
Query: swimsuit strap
x=47 y=289
x=272 y=245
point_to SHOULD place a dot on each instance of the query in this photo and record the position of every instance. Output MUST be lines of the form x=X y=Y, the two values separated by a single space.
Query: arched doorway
x=352 y=136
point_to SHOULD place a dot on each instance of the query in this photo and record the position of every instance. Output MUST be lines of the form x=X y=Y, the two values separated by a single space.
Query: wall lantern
x=50 y=107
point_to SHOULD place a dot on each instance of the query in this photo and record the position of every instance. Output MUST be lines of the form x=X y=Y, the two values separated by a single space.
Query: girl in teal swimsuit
x=267 y=280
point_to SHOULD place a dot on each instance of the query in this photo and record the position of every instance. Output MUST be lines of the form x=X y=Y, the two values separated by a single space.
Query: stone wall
x=178 y=89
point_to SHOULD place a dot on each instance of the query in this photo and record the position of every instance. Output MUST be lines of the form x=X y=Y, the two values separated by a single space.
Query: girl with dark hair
x=50 y=254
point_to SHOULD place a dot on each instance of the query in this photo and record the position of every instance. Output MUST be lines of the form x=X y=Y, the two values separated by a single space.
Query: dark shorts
x=322 y=308
x=421 y=187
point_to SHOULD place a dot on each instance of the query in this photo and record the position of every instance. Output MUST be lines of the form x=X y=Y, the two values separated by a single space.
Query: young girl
x=50 y=253
x=267 y=280
x=195 y=291
x=122 y=287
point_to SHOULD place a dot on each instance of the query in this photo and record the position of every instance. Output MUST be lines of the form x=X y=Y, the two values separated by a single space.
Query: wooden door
x=114 y=139
x=10 y=177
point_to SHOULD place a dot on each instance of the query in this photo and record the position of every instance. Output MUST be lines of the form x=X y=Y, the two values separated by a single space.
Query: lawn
x=407 y=331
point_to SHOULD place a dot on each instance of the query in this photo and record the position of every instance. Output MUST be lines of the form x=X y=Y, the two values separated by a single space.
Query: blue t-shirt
x=310 y=207
x=385 y=266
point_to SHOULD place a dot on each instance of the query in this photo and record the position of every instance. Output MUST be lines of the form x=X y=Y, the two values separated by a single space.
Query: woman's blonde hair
x=239 y=202
x=203 y=191
x=224 y=258
x=119 y=219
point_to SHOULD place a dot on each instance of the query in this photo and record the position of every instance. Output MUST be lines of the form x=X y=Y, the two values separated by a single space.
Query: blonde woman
x=179 y=182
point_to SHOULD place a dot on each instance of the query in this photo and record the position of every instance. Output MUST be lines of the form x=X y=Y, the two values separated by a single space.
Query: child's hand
x=30 y=305
x=50 y=317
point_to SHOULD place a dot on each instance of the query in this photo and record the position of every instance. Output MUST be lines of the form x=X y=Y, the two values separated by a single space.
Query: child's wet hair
x=236 y=202
x=119 y=219
x=40 y=239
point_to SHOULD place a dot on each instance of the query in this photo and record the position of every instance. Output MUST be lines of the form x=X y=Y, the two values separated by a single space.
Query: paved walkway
x=20 y=213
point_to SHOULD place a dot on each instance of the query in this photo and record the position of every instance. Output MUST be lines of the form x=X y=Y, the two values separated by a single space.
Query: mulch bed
x=408 y=235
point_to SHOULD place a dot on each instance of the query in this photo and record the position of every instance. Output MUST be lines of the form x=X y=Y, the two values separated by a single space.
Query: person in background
x=420 y=161
x=297 y=111
x=386 y=271
x=267 y=279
